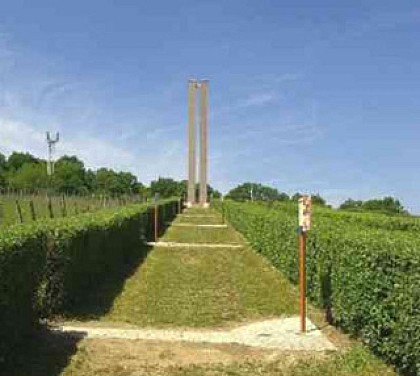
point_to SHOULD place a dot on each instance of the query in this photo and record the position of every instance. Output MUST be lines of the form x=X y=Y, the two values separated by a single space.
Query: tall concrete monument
x=195 y=86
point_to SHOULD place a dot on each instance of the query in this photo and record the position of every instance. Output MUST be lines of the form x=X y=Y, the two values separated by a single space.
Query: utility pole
x=51 y=148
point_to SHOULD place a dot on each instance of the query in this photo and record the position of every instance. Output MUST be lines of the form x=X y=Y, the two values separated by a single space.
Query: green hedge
x=22 y=261
x=367 y=277
x=49 y=267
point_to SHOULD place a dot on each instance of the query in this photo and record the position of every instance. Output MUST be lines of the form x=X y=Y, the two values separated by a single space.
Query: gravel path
x=193 y=245
x=196 y=225
x=282 y=334
x=198 y=216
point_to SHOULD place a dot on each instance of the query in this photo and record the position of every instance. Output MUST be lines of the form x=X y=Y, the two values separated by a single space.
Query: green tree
x=212 y=192
x=3 y=168
x=387 y=205
x=351 y=204
x=30 y=176
x=17 y=159
x=69 y=175
x=107 y=181
x=256 y=192
x=283 y=197
x=90 y=181
x=316 y=198
x=115 y=183
x=128 y=182
x=140 y=189
x=296 y=196
x=242 y=192
x=167 y=187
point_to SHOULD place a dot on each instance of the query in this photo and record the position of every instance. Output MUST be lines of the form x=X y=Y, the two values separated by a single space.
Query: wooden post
x=63 y=206
x=50 y=208
x=32 y=209
x=162 y=217
x=302 y=280
x=305 y=211
x=19 y=212
x=1 y=212
x=156 y=220
x=223 y=213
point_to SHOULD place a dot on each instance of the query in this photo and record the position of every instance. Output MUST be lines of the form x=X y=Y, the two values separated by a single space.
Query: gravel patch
x=281 y=334
x=193 y=245
x=197 y=216
x=196 y=225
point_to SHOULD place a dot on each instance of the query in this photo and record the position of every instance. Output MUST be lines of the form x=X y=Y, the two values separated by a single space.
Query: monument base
x=197 y=205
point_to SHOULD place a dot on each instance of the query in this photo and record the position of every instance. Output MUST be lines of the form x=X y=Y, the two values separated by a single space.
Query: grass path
x=202 y=287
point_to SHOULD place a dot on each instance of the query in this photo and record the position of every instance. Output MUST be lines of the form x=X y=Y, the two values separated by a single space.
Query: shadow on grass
x=98 y=300
x=43 y=354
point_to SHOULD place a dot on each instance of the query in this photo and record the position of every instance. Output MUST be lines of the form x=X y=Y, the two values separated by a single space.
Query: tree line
x=387 y=205
x=259 y=192
x=25 y=172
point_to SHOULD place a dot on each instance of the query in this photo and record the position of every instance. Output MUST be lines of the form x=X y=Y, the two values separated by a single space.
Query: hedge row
x=368 y=279
x=49 y=267
x=365 y=219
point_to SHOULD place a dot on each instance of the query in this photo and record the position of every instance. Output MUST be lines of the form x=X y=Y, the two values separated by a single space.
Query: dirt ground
x=139 y=354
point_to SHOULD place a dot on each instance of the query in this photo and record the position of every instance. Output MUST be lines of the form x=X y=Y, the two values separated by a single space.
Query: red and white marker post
x=305 y=211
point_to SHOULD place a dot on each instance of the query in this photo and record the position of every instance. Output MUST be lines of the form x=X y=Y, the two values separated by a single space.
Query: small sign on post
x=305 y=212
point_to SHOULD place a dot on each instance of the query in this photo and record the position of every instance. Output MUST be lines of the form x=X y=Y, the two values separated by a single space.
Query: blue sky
x=311 y=96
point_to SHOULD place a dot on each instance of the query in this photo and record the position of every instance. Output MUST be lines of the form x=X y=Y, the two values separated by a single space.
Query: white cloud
x=17 y=136
x=33 y=100
x=258 y=99
x=163 y=157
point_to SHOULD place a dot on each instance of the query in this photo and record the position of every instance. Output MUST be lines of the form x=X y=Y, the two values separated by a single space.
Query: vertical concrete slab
x=192 y=164
x=203 y=141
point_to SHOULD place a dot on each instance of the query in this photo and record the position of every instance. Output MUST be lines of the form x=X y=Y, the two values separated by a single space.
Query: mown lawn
x=202 y=235
x=118 y=362
x=202 y=287
x=199 y=220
